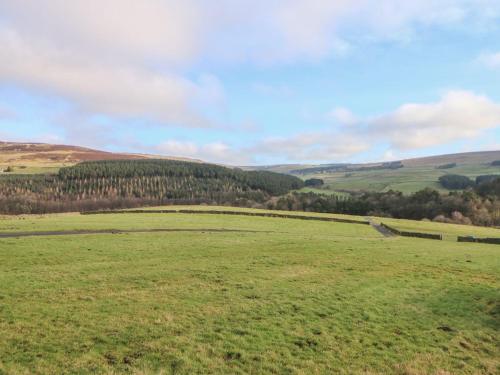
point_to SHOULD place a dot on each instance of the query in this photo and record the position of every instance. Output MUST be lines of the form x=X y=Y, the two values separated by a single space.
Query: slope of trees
x=150 y=181
x=486 y=178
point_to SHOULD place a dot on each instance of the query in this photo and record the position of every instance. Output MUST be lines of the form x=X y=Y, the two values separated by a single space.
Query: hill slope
x=40 y=157
x=406 y=175
x=128 y=183
x=467 y=158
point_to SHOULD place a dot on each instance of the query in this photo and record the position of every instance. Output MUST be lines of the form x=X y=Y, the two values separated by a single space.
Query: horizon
x=253 y=83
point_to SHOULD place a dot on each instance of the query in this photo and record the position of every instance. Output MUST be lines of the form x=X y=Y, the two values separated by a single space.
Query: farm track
x=379 y=228
x=119 y=231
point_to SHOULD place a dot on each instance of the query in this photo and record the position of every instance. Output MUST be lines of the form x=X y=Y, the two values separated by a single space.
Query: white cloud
x=99 y=87
x=313 y=146
x=458 y=115
x=6 y=136
x=343 y=116
x=215 y=152
x=161 y=30
x=490 y=59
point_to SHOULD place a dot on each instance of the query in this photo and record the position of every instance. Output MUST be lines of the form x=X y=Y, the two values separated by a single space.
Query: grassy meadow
x=279 y=296
x=450 y=232
x=407 y=180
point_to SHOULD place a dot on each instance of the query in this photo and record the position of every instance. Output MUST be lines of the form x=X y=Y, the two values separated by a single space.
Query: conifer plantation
x=120 y=183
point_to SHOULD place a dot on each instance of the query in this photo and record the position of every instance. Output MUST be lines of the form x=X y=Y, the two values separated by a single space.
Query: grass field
x=450 y=232
x=406 y=180
x=327 y=191
x=291 y=297
x=31 y=169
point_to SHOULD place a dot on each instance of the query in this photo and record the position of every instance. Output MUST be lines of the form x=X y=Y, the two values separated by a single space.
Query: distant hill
x=465 y=158
x=407 y=175
x=40 y=156
x=480 y=157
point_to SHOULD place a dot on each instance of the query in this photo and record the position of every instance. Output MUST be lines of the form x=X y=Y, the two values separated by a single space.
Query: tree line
x=459 y=182
x=479 y=206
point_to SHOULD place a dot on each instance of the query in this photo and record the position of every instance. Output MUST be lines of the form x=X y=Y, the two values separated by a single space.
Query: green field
x=275 y=296
x=406 y=180
x=327 y=191
x=450 y=232
x=29 y=170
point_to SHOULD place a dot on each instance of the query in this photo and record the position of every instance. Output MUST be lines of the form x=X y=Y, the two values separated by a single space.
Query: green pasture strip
x=64 y=222
x=450 y=232
x=230 y=212
x=407 y=180
x=244 y=209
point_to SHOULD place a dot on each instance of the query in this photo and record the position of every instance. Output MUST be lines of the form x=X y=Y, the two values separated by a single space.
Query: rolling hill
x=406 y=175
x=43 y=157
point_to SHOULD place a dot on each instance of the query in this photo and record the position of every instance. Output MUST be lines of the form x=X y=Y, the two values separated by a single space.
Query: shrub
x=314 y=182
x=447 y=166
x=455 y=182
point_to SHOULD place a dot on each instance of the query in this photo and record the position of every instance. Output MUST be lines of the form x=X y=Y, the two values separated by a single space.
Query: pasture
x=242 y=295
x=407 y=180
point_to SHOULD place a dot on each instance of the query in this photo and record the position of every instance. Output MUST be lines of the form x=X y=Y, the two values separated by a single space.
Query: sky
x=247 y=82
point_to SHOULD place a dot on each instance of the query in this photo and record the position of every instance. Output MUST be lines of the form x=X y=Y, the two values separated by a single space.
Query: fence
x=398 y=232
x=218 y=212
x=495 y=241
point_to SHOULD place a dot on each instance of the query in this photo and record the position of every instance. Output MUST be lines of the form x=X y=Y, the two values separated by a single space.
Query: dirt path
x=118 y=231
x=379 y=228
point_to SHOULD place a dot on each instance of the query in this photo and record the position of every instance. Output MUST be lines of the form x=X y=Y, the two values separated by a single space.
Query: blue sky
x=253 y=82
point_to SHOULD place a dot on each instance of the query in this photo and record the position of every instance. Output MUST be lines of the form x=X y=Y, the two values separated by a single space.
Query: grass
x=329 y=192
x=449 y=231
x=406 y=180
x=30 y=169
x=296 y=297
x=229 y=208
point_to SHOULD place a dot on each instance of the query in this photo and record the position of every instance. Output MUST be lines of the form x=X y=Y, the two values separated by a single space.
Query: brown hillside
x=47 y=155
x=481 y=157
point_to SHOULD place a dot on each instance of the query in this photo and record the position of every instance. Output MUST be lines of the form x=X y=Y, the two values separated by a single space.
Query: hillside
x=43 y=157
x=466 y=158
x=406 y=175
x=127 y=183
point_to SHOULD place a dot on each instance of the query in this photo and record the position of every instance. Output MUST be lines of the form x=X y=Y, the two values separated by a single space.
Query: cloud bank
x=457 y=115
